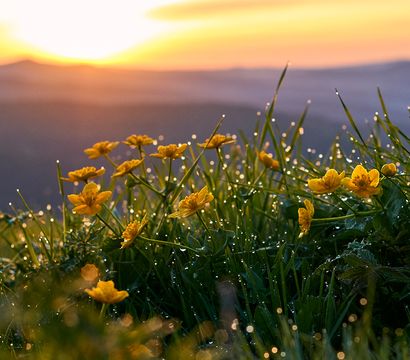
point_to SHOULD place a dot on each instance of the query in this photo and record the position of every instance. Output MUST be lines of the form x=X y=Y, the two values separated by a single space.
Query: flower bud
x=389 y=169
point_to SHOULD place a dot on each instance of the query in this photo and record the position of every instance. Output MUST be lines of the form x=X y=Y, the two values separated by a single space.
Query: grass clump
x=241 y=247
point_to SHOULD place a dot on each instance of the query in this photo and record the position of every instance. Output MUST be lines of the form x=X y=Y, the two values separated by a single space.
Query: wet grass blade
x=271 y=107
x=350 y=117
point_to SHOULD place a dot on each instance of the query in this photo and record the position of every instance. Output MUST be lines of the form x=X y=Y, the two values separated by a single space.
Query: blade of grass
x=350 y=117
x=271 y=108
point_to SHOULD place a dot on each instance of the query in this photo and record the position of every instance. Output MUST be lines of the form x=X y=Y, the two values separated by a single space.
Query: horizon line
x=227 y=68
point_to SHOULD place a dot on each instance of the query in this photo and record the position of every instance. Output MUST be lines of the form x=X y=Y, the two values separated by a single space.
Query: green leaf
x=395 y=203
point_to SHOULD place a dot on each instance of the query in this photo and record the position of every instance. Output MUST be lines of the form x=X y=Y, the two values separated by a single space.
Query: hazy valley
x=51 y=112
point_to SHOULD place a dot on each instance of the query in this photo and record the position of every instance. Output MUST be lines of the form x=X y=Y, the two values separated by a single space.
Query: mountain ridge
x=27 y=63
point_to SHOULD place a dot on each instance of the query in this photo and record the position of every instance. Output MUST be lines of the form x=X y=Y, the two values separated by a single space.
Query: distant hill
x=28 y=80
x=52 y=112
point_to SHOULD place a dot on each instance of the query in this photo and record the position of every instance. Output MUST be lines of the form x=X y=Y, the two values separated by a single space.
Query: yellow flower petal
x=103 y=196
x=309 y=207
x=75 y=199
x=317 y=185
x=359 y=171
x=82 y=209
x=374 y=177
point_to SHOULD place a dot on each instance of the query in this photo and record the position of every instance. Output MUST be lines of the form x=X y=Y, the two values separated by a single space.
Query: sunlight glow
x=83 y=30
x=197 y=34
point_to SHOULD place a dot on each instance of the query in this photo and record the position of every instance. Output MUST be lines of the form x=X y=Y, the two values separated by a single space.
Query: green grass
x=235 y=280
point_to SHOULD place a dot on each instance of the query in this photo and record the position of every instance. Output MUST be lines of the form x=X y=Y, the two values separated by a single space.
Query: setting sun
x=88 y=31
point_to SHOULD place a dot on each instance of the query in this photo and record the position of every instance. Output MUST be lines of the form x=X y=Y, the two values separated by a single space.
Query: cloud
x=196 y=9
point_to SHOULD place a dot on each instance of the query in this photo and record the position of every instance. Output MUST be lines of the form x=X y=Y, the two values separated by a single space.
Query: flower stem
x=103 y=311
x=146 y=184
x=115 y=217
x=255 y=182
x=143 y=163
x=107 y=225
x=203 y=223
x=111 y=161
x=224 y=169
x=28 y=241
x=344 y=202
x=167 y=243
x=40 y=226
x=379 y=202
x=169 y=177
x=337 y=218
x=64 y=206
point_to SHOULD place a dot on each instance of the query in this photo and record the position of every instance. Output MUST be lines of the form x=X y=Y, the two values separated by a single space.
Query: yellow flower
x=106 y=293
x=90 y=200
x=217 y=141
x=90 y=272
x=328 y=183
x=132 y=231
x=193 y=203
x=389 y=169
x=138 y=140
x=363 y=183
x=84 y=174
x=268 y=160
x=101 y=148
x=305 y=216
x=171 y=151
x=127 y=167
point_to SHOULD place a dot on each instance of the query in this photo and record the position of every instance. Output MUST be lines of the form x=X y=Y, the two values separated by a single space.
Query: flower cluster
x=362 y=183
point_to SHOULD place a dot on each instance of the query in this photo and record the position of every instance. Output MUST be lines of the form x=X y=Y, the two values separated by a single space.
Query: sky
x=205 y=34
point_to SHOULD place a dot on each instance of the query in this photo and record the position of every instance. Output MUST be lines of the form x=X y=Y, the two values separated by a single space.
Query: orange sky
x=205 y=34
